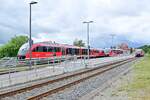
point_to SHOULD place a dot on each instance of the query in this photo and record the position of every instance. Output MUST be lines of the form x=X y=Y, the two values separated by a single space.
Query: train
x=116 y=52
x=49 y=49
x=113 y=52
x=139 y=53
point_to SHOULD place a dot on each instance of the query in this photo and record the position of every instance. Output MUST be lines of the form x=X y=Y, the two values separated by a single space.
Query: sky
x=62 y=21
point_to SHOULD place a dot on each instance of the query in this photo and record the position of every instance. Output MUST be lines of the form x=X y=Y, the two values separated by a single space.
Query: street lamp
x=30 y=41
x=88 y=46
x=112 y=37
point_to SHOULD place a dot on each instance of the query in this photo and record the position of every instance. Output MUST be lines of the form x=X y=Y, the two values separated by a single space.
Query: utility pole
x=30 y=39
x=112 y=37
x=88 y=45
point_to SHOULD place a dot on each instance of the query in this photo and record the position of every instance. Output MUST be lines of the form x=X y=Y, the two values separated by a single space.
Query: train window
x=77 y=51
x=72 y=51
x=50 y=49
x=56 y=49
x=40 y=49
x=34 y=50
x=107 y=50
x=69 y=51
x=84 y=51
x=44 y=49
x=63 y=51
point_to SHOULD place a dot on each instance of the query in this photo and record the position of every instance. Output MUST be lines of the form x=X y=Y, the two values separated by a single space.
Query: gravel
x=36 y=91
x=89 y=85
x=72 y=93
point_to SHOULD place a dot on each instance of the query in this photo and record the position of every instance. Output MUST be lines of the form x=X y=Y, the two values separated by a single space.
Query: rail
x=41 y=71
x=67 y=85
x=48 y=82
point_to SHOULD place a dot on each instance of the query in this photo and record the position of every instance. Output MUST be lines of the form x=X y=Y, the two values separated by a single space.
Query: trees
x=146 y=48
x=78 y=43
x=11 y=48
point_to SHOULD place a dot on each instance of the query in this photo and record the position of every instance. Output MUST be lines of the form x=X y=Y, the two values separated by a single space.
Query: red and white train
x=48 y=49
x=115 y=52
x=139 y=53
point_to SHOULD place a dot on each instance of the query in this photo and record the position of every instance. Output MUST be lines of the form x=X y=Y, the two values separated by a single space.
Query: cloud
x=61 y=20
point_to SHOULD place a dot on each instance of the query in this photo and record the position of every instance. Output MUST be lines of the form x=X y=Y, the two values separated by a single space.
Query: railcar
x=101 y=53
x=46 y=50
x=115 y=52
x=139 y=53
x=106 y=52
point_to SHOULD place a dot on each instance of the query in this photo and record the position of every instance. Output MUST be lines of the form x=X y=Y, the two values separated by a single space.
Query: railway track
x=61 y=83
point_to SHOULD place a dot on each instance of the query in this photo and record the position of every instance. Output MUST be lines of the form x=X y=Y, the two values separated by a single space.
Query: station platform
x=51 y=70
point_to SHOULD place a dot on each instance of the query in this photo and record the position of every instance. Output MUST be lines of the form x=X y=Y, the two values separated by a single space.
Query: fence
x=52 y=68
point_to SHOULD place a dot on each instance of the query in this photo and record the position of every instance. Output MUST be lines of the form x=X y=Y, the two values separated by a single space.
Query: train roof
x=53 y=44
x=56 y=45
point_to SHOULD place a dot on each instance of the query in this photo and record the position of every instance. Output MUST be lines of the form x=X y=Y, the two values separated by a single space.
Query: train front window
x=106 y=51
x=24 y=48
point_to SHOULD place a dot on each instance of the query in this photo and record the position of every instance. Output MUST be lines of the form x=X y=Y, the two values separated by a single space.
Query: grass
x=139 y=88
